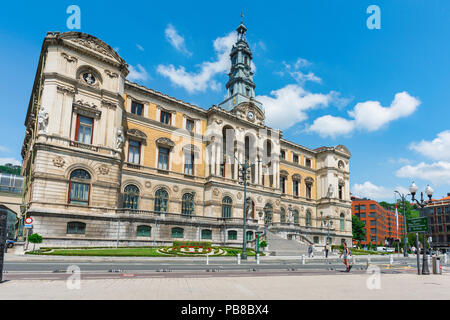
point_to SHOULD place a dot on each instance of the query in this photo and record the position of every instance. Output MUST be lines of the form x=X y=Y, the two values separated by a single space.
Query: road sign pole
x=3 y=217
x=418 y=253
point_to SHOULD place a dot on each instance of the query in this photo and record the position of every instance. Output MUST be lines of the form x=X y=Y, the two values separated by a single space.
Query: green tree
x=358 y=229
x=35 y=238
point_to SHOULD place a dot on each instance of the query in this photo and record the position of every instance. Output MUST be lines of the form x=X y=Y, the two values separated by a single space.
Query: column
x=236 y=164
x=260 y=172
x=218 y=159
x=212 y=157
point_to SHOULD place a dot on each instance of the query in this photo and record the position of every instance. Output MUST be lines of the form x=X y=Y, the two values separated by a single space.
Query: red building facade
x=380 y=223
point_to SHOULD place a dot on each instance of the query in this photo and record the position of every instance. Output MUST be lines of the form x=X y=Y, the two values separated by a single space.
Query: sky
x=325 y=75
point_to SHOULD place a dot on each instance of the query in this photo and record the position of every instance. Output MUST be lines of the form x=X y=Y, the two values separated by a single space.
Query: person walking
x=310 y=251
x=327 y=249
x=346 y=253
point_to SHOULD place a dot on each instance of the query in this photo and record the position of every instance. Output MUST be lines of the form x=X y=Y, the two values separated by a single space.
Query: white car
x=384 y=249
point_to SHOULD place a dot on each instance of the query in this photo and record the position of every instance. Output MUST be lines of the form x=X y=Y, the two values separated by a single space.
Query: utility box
x=437 y=265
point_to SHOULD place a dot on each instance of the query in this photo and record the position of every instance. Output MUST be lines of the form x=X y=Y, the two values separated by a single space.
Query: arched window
x=187 y=206
x=206 y=234
x=296 y=217
x=227 y=205
x=131 y=197
x=316 y=240
x=268 y=211
x=177 y=233
x=144 y=231
x=308 y=219
x=232 y=235
x=76 y=228
x=161 y=201
x=283 y=215
x=342 y=222
x=79 y=187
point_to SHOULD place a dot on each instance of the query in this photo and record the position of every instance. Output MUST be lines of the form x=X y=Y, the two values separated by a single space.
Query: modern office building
x=110 y=160
x=381 y=224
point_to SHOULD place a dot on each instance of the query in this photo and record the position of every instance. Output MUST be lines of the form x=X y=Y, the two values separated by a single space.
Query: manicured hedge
x=192 y=244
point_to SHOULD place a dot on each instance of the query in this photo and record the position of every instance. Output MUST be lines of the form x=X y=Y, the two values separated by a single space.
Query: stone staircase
x=278 y=246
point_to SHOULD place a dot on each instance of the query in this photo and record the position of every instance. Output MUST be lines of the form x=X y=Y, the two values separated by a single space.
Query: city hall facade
x=109 y=161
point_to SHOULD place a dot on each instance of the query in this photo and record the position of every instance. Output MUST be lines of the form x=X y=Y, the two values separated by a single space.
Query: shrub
x=263 y=244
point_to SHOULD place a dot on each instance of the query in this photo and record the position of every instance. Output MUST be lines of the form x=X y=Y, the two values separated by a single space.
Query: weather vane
x=242 y=17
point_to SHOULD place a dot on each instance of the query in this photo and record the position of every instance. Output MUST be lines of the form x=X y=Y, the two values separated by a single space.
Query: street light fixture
x=422 y=204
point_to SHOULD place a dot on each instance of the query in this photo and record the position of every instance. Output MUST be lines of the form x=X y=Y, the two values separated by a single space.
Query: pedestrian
x=310 y=251
x=327 y=249
x=413 y=249
x=346 y=253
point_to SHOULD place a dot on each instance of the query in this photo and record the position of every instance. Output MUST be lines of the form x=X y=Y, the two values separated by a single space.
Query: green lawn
x=127 y=252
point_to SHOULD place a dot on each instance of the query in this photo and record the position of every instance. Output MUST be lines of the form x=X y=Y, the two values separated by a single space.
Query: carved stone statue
x=120 y=138
x=42 y=120
x=330 y=191
x=290 y=214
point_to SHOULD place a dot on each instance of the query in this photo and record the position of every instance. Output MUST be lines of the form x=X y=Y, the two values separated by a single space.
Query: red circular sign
x=29 y=220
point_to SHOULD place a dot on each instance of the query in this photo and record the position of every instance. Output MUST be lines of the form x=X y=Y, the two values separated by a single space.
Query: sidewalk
x=345 y=286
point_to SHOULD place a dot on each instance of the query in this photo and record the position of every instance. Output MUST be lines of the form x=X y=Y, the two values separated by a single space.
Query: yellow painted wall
x=304 y=175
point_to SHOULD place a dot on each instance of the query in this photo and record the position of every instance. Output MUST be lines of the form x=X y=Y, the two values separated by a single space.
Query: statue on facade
x=42 y=120
x=330 y=191
x=290 y=214
x=120 y=138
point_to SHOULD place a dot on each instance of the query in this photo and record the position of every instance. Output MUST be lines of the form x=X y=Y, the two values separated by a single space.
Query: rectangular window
x=137 y=108
x=166 y=117
x=189 y=163
x=84 y=130
x=373 y=207
x=163 y=159
x=308 y=163
x=283 y=154
x=373 y=223
x=295 y=158
x=296 y=191
x=373 y=214
x=362 y=215
x=79 y=193
x=362 y=207
x=189 y=125
x=341 y=192
x=134 y=152
x=283 y=184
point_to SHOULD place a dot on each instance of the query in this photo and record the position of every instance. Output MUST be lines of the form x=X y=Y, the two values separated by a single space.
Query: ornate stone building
x=109 y=160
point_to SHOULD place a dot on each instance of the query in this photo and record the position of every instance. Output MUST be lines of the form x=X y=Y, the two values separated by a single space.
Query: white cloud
x=203 y=79
x=368 y=116
x=176 y=40
x=288 y=105
x=141 y=48
x=298 y=75
x=438 y=149
x=4 y=149
x=371 y=191
x=329 y=126
x=13 y=161
x=438 y=173
x=137 y=73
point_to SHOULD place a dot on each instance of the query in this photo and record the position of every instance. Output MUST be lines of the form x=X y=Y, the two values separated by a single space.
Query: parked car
x=10 y=243
x=384 y=249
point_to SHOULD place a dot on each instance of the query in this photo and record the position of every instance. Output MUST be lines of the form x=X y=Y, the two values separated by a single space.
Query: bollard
x=303 y=259
x=353 y=260
x=445 y=258
x=257 y=258
x=238 y=258
x=391 y=259
x=368 y=261
x=207 y=259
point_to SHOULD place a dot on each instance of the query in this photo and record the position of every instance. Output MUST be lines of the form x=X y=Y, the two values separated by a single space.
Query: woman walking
x=346 y=253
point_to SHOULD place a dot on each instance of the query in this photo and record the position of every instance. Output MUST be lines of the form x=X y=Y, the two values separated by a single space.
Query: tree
x=358 y=229
x=35 y=238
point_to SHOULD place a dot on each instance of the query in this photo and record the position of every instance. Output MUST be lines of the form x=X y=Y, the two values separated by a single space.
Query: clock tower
x=240 y=86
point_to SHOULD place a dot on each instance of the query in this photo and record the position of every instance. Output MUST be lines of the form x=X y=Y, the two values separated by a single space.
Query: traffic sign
x=29 y=220
x=418 y=224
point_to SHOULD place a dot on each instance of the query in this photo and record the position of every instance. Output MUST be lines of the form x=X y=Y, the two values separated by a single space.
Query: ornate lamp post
x=429 y=191
x=405 y=240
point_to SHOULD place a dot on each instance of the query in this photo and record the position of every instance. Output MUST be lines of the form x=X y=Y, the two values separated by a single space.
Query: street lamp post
x=244 y=170
x=405 y=240
x=429 y=191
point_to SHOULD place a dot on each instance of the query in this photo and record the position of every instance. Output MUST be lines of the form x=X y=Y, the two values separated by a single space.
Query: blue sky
x=324 y=77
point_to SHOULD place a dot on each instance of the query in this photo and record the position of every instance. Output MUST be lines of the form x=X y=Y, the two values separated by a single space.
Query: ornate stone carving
x=69 y=59
x=148 y=184
x=330 y=191
x=120 y=138
x=176 y=188
x=66 y=90
x=103 y=170
x=43 y=121
x=277 y=202
x=137 y=134
x=59 y=162
x=239 y=195
x=93 y=46
x=259 y=199
x=111 y=74
x=165 y=142
x=109 y=104
x=86 y=109
x=216 y=192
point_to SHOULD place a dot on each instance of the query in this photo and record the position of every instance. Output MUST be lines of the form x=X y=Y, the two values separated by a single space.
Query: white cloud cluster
x=141 y=48
x=176 y=40
x=288 y=105
x=204 y=78
x=374 y=192
x=299 y=76
x=4 y=149
x=368 y=116
x=137 y=73
x=438 y=173
x=13 y=161
x=438 y=149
